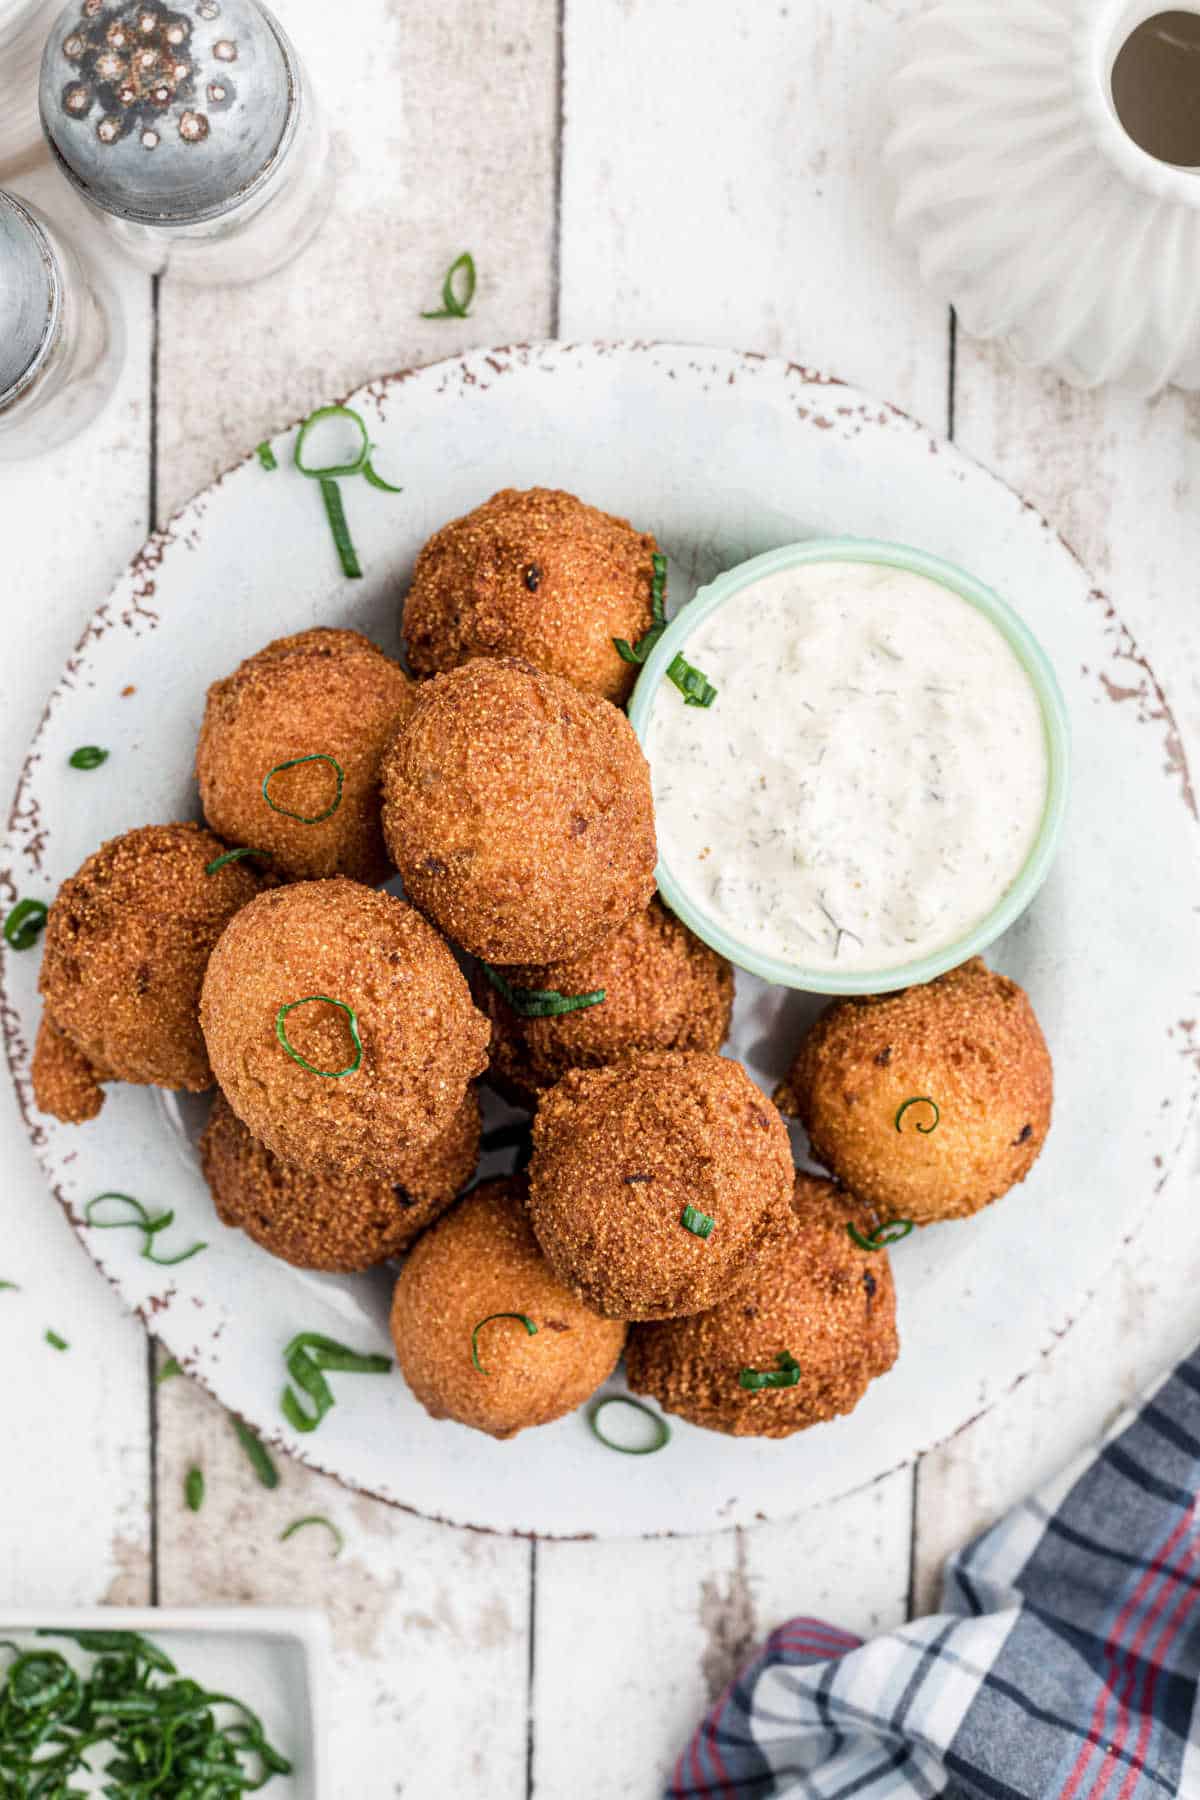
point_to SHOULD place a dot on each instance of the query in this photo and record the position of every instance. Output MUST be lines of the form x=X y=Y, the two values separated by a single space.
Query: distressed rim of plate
x=373 y=392
x=1037 y=666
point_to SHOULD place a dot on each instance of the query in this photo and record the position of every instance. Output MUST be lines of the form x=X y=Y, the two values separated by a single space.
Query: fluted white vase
x=1031 y=208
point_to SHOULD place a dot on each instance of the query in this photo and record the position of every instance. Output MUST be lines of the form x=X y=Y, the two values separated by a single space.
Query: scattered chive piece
x=332 y=470
x=193 y=1489
x=232 y=856
x=168 y=1372
x=314 y=1519
x=377 y=481
x=697 y=1222
x=296 y=762
x=661 y=1428
x=306 y=1357
x=637 y=653
x=11 y=1286
x=328 y=476
x=785 y=1376
x=56 y=1342
x=335 y=512
x=88 y=756
x=892 y=1233
x=281 y=1034
x=149 y=1224
x=266 y=456
x=693 y=683
x=541 y=1003
x=257 y=1454
x=23 y=926
x=920 y=1100
x=525 y=1320
x=454 y=305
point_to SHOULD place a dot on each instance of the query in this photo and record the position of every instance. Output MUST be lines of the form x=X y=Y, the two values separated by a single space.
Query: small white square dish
x=274 y=1659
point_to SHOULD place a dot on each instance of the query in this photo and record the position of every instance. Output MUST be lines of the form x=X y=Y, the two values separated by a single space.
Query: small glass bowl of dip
x=1018 y=892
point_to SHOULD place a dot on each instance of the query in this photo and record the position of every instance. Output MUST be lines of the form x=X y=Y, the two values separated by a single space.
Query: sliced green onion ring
x=232 y=856
x=699 y=1223
x=454 y=306
x=541 y=1003
x=295 y=762
x=920 y=1100
x=24 y=924
x=256 y=1454
x=331 y=470
x=150 y=1225
x=787 y=1375
x=88 y=756
x=193 y=1489
x=525 y=1320
x=266 y=456
x=693 y=683
x=335 y=512
x=308 y=1000
x=661 y=1428
x=377 y=481
x=55 y=1342
x=637 y=653
x=314 y=1519
x=306 y=1357
x=894 y=1232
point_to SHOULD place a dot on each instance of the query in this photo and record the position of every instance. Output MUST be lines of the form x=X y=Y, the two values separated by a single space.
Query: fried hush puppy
x=619 y=1153
x=308 y=967
x=817 y=1299
x=127 y=942
x=663 y=990
x=337 y=1223
x=536 y=574
x=478 y=1261
x=967 y=1052
x=518 y=811
x=324 y=701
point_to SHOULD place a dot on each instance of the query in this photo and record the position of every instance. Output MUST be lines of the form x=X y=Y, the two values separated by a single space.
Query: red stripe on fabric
x=1156 y=1657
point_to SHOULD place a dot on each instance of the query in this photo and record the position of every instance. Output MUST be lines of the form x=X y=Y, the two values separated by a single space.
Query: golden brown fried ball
x=967 y=1042
x=319 y=694
x=620 y=1152
x=536 y=574
x=816 y=1298
x=663 y=988
x=518 y=811
x=482 y=1259
x=65 y=1083
x=422 y=1040
x=341 y=1223
x=127 y=942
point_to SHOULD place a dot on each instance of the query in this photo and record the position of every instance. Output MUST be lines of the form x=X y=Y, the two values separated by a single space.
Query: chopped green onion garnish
x=697 y=1222
x=23 y=926
x=88 y=756
x=328 y=476
x=232 y=856
x=11 y=1286
x=306 y=1357
x=331 y=470
x=920 y=1100
x=142 y=1221
x=377 y=481
x=661 y=1429
x=56 y=1342
x=335 y=512
x=525 y=1320
x=256 y=1455
x=637 y=653
x=785 y=1376
x=692 y=683
x=540 y=1003
x=455 y=304
x=883 y=1235
x=266 y=456
x=297 y=762
x=308 y=1000
x=193 y=1489
x=314 y=1519
x=168 y=1372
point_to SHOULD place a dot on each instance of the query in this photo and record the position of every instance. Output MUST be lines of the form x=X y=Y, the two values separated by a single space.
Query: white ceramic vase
x=1031 y=208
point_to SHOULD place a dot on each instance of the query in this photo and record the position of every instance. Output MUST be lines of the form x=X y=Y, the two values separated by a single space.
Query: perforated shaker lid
x=168 y=115
x=30 y=297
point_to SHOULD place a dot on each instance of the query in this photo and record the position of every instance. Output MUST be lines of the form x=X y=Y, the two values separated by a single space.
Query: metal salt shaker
x=191 y=129
x=61 y=338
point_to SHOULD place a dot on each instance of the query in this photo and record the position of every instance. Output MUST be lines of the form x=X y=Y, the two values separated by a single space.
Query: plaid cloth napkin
x=1064 y=1664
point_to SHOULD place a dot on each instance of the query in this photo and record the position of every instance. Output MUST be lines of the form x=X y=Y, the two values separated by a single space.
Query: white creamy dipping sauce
x=870 y=779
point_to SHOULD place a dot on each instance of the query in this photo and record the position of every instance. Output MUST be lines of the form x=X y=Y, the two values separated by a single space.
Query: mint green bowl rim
x=1029 y=653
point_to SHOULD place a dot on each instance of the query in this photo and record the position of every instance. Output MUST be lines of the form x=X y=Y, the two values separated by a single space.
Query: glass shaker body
x=24 y=25
x=72 y=337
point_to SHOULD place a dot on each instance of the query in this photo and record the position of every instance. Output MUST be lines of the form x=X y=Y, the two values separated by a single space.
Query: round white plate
x=723 y=456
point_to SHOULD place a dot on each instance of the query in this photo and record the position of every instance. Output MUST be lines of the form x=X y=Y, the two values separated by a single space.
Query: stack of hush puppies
x=660 y=1214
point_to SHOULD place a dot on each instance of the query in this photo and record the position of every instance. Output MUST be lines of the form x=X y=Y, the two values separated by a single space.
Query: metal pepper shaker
x=61 y=336
x=191 y=129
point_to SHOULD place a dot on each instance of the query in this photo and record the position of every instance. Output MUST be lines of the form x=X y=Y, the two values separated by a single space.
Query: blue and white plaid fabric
x=1064 y=1664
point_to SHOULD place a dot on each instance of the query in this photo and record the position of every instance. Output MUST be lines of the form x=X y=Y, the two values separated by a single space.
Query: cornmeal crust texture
x=481 y=1259
x=518 y=811
x=340 y=1223
x=817 y=1298
x=127 y=942
x=968 y=1050
x=422 y=1040
x=65 y=1083
x=320 y=694
x=663 y=990
x=536 y=574
x=620 y=1152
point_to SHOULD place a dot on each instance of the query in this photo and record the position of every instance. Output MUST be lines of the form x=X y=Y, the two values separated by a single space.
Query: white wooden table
x=691 y=169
